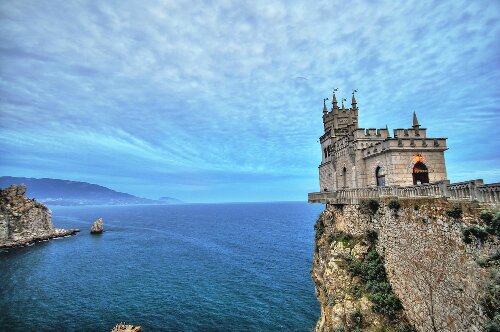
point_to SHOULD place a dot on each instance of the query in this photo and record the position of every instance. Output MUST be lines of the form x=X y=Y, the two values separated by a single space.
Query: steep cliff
x=398 y=265
x=24 y=220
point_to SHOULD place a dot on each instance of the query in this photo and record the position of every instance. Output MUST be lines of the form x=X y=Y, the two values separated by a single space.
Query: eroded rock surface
x=428 y=263
x=97 y=227
x=122 y=327
x=24 y=220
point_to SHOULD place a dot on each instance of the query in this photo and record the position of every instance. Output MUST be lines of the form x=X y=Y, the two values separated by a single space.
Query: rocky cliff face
x=399 y=265
x=24 y=220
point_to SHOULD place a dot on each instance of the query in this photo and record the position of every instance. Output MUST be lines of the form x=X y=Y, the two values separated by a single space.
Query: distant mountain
x=169 y=200
x=65 y=192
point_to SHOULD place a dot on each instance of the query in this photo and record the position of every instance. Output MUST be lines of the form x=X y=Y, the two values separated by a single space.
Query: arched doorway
x=344 y=177
x=380 y=176
x=420 y=173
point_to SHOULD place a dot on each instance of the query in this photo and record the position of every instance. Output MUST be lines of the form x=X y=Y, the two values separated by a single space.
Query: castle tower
x=355 y=157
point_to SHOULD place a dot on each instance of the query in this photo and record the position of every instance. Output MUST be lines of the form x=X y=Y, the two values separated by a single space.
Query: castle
x=355 y=157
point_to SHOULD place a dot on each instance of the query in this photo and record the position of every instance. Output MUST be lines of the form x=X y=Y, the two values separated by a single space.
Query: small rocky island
x=97 y=227
x=23 y=220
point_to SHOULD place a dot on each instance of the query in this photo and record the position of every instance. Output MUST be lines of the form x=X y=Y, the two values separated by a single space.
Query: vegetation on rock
x=365 y=300
x=394 y=205
x=369 y=206
x=375 y=285
x=474 y=231
x=454 y=212
x=490 y=226
x=491 y=302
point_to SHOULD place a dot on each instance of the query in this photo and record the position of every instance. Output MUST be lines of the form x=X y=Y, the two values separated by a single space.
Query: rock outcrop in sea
x=97 y=227
x=122 y=327
x=24 y=220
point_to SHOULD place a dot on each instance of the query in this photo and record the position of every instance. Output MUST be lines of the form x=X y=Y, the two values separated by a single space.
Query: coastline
x=39 y=238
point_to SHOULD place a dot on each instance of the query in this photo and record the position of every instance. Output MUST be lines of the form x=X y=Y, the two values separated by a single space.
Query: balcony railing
x=474 y=190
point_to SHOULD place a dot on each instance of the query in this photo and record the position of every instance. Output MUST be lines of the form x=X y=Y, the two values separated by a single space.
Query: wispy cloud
x=222 y=100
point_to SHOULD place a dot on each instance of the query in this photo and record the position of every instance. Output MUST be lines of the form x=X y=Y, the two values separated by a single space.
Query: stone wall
x=326 y=177
x=399 y=167
x=439 y=279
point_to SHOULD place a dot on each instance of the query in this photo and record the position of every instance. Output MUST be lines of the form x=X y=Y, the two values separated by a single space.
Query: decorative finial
x=334 y=99
x=324 y=106
x=343 y=99
x=353 y=101
x=416 y=125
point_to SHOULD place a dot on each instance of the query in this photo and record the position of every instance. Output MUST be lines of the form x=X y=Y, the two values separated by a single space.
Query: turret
x=353 y=101
x=334 y=100
x=415 y=121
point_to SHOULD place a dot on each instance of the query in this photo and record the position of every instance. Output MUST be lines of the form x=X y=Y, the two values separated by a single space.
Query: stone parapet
x=474 y=190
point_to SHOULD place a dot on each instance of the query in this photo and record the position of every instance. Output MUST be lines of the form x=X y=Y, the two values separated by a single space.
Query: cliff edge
x=408 y=264
x=24 y=220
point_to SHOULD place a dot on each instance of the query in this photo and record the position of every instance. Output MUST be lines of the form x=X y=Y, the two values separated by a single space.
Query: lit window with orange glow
x=418 y=158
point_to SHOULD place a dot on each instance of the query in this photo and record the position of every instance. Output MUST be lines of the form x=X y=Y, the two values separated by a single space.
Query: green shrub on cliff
x=486 y=216
x=492 y=221
x=319 y=229
x=369 y=206
x=473 y=231
x=491 y=303
x=371 y=237
x=455 y=212
x=387 y=304
x=346 y=239
x=356 y=320
x=375 y=284
x=394 y=205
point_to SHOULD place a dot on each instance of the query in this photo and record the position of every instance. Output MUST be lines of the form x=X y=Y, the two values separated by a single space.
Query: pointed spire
x=324 y=106
x=415 y=121
x=353 y=101
x=334 y=99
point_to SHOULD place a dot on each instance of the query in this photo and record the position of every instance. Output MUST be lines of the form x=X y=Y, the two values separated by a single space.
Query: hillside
x=65 y=192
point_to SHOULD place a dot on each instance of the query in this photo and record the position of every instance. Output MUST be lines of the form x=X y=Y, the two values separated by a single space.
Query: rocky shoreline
x=24 y=221
x=42 y=238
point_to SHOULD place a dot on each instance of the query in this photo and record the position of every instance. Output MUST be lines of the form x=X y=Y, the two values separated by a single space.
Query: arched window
x=420 y=173
x=344 y=177
x=380 y=176
x=324 y=150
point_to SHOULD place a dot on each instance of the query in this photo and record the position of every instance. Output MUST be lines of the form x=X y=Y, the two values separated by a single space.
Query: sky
x=221 y=101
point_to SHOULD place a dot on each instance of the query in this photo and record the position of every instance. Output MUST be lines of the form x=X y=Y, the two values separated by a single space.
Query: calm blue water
x=200 y=267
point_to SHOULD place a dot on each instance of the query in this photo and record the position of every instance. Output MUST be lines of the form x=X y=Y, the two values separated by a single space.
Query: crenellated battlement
x=402 y=144
x=370 y=133
x=410 y=133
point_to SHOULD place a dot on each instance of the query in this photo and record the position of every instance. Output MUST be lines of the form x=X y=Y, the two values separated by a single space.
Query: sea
x=189 y=267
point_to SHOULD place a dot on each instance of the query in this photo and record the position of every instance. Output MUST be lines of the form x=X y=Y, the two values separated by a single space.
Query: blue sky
x=221 y=100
